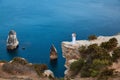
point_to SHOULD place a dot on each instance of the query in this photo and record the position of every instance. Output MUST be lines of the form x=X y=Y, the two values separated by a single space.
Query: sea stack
x=53 y=53
x=12 y=41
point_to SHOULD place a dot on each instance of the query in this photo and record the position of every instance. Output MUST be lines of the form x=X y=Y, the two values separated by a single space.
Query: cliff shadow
x=12 y=53
x=54 y=63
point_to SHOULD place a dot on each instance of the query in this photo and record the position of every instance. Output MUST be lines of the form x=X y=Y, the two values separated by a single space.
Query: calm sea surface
x=40 y=23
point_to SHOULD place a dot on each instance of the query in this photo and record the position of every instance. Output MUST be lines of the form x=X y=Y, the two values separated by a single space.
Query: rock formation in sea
x=71 y=53
x=53 y=53
x=12 y=41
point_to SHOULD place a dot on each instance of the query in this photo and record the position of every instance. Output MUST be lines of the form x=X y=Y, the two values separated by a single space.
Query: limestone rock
x=53 y=53
x=48 y=73
x=12 y=42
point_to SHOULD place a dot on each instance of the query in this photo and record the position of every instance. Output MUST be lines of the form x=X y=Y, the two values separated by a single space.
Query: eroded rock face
x=70 y=53
x=12 y=41
x=53 y=53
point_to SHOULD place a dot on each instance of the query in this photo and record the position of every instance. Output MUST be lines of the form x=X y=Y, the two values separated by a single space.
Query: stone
x=53 y=53
x=48 y=73
x=23 y=48
x=12 y=41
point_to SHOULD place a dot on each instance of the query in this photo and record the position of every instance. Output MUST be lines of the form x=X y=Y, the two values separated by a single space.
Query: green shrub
x=97 y=65
x=76 y=66
x=116 y=54
x=82 y=51
x=113 y=42
x=39 y=68
x=105 y=74
x=97 y=59
x=92 y=37
x=85 y=74
x=104 y=45
x=85 y=71
x=96 y=52
x=94 y=73
x=60 y=79
x=93 y=48
x=110 y=45
x=19 y=60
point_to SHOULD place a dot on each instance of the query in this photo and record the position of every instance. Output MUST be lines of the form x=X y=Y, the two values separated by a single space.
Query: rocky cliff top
x=99 y=40
x=70 y=51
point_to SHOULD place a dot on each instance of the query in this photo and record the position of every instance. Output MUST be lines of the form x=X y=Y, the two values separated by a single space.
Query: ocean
x=41 y=23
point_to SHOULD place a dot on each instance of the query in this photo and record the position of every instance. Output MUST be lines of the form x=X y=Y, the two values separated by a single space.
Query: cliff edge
x=71 y=52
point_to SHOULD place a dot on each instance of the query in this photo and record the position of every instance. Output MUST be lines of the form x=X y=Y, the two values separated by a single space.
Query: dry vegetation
x=20 y=69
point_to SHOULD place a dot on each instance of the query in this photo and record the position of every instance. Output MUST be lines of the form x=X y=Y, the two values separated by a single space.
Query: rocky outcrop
x=71 y=53
x=20 y=69
x=12 y=42
x=48 y=73
x=53 y=53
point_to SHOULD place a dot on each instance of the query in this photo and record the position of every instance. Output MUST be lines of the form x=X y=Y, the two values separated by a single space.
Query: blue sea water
x=40 y=23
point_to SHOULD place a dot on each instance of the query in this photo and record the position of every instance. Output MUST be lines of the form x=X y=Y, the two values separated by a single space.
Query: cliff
x=71 y=53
